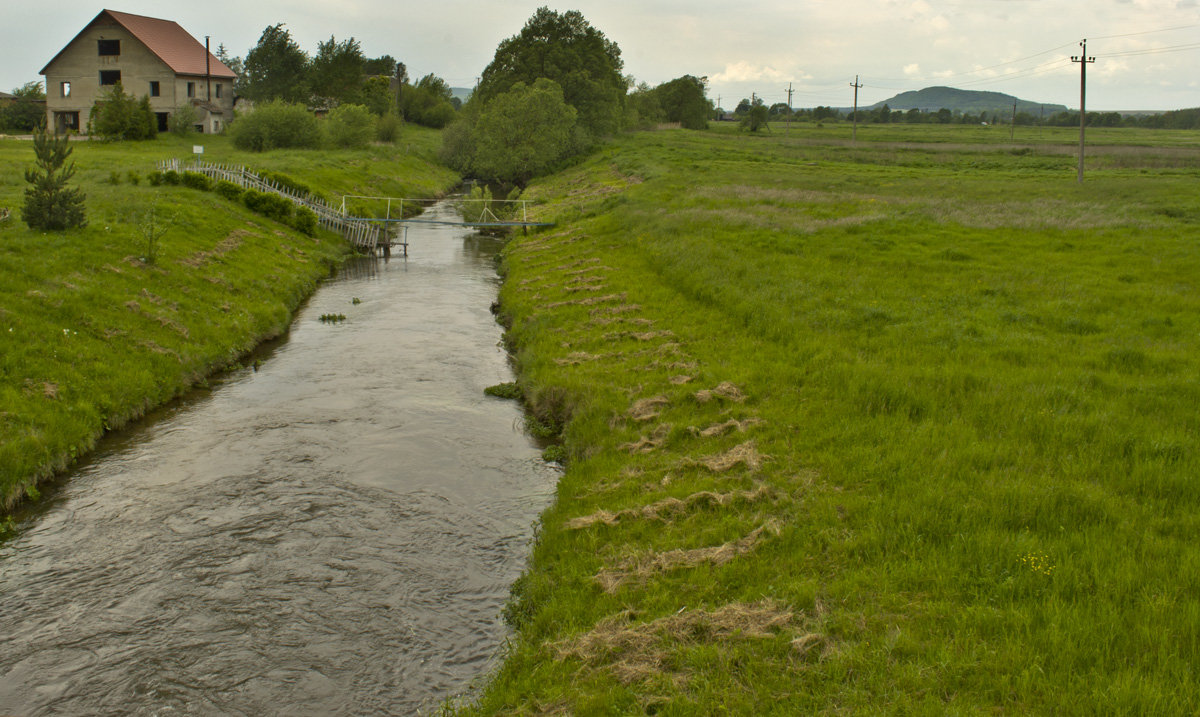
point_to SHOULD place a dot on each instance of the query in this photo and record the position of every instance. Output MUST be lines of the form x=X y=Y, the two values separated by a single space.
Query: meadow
x=99 y=325
x=901 y=425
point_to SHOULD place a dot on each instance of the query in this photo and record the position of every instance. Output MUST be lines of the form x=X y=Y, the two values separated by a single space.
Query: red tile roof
x=168 y=41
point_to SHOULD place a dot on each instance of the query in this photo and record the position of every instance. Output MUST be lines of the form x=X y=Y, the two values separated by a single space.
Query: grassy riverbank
x=92 y=335
x=874 y=427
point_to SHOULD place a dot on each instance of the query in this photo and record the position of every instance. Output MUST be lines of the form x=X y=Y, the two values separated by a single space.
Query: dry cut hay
x=726 y=391
x=651 y=443
x=635 y=652
x=744 y=454
x=669 y=507
x=578 y=357
x=648 y=409
x=720 y=429
x=642 y=567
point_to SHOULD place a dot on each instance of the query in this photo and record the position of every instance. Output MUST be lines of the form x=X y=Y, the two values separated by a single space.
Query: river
x=334 y=532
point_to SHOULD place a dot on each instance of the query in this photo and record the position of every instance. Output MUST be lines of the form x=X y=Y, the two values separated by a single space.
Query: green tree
x=27 y=110
x=377 y=94
x=428 y=102
x=756 y=116
x=564 y=48
x=336 y=71
x=524 y=132
x=683 y=100
x=276 y=68
x=350 y=126
x=117 y=116
x=275 y=125
x=49 y=203
x=380 y=66
x=235 y=64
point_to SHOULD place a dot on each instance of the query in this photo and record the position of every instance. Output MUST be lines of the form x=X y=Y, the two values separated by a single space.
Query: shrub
x=275 y=125
x=271 y=206
x=171 y=177
x=155 y=178
x=228 y=190
x=350 y=126
x=305 y=220
x=195 y=180
x=134 y=177
x=116 y=115
x=182 y=121
x=388 y=128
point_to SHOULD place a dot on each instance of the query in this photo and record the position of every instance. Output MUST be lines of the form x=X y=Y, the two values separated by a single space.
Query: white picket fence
x=363 y=233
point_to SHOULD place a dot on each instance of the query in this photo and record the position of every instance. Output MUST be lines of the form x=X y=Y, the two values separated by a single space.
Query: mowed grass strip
x=93 y=334
x=860 y=433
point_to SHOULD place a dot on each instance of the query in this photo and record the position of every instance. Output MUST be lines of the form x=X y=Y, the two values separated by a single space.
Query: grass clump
x=506 y=390
x=931 y=398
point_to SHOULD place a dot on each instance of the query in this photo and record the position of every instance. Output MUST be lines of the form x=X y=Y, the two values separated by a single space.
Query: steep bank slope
x=93 y=335
x=859 y=430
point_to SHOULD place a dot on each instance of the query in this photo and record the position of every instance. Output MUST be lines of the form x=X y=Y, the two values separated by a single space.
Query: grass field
x=92 y=335
x=902 y=426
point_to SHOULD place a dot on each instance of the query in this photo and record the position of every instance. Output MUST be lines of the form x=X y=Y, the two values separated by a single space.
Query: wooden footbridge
x=369 y=234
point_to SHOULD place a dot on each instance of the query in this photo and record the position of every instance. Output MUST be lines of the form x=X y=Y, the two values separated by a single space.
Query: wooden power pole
x=854 y=132
x=1083 y=61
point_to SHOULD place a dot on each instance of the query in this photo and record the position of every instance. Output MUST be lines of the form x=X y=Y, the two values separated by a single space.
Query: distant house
x=148 y=56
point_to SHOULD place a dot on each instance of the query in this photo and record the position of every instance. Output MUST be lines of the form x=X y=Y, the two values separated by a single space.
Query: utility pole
x=789 y=117
x=1083 y=61
x=720 y=111
x=854 y=132
x=1012 y=126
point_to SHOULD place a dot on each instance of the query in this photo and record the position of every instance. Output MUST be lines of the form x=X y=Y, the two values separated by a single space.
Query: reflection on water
x=334 y=533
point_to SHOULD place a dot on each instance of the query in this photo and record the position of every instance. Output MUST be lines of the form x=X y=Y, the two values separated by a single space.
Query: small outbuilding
x=148 y=56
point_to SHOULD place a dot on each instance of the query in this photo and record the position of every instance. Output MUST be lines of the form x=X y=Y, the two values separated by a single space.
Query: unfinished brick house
x=148 y=56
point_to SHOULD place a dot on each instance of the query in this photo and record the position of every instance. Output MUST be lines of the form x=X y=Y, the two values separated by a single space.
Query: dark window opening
x=218 y=89
x=163 y=119
x=191 y=89
x=154 y=88
x=110 y=77
x=110 y=48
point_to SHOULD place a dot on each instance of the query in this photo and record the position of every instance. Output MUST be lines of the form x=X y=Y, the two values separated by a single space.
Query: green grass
x=92 y=336
x=968 y=439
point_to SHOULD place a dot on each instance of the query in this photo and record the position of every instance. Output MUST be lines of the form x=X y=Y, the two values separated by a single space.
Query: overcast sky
x=1147 y=51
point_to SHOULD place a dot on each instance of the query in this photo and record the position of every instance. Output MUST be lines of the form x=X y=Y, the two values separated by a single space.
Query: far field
x=874 y=427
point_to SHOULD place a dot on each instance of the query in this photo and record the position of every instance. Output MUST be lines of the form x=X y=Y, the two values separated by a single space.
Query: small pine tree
x=49 y=203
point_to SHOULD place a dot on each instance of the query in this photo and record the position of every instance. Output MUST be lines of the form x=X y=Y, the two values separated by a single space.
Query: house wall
x=80 y=64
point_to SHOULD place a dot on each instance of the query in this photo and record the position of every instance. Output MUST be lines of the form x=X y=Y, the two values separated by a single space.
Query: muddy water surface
x=334 y=533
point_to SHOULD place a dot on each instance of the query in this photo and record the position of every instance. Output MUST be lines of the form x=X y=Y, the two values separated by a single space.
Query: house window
x=191 y=89
x=218 y=90
x=154 y=88
x=110 y=48
x=64 y=89
x=110 y=77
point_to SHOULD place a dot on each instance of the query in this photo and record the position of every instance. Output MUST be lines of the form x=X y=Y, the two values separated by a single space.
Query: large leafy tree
x=429 y=102
x=564 y=48
x=117 y=115
x=524 y=132
x=683 y=100
x=276 y=68
x=336 y=71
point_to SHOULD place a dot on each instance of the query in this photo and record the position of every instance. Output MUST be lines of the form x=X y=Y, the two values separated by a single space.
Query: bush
x=171 y=177
x=116 y=116
x=228 y=190
x=305 y=220
x=182 y=121
x=350 y=127
x=276 y=125
x=155 y=178
x=271 y=206
x=195 y=180
x=388 y=129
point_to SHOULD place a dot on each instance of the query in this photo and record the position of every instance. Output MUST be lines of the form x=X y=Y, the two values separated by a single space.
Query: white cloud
x=912 y=70
x=743 y=71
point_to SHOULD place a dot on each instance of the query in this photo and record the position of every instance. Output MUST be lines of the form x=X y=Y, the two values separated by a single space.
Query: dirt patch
x=577 y=358
x=643 y=567
x=223 y=247
x=680 y=380
x=745 y=454
x=648 y=409
x=668 y=507
x=635 y=652
x=720 y=429
x=50 y=390
x=650 y=443
x=726 y=391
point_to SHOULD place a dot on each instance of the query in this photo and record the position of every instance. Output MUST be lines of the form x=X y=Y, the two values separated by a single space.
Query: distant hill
x=462 y=93
x=932 y=99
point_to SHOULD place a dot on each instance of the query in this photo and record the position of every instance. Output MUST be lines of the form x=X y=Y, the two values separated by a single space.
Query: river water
x=334 y=533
